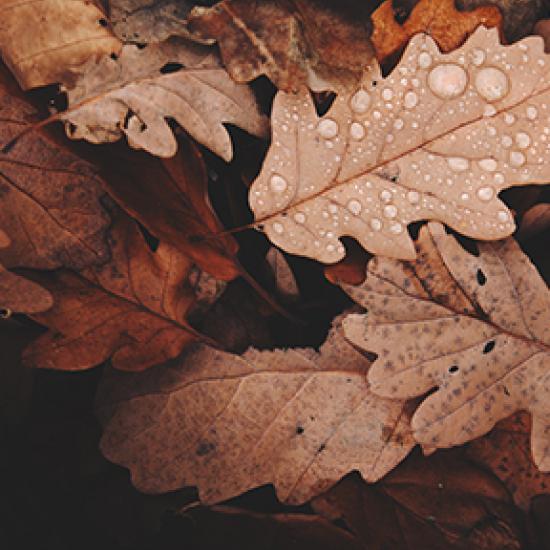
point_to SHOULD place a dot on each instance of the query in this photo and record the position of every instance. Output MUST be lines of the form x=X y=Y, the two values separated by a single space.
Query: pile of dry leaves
x=300 y=249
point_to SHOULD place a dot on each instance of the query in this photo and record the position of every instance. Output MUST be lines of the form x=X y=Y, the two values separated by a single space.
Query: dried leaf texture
x=131 y=309
x=287 y=41
x=51 y=200
x=437 y=139
x=134 y=95
x=477 y=328
x=438 y=18
x=226 y=423
x=47 y=41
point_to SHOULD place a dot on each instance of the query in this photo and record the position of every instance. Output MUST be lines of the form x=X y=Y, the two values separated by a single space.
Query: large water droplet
x=357 y=131
x=278 y=184
x=447 y=80
x=492 y=84
x=458 y=164
x=355 y=207
x=360 y=101
x=327 y=128
x=411 y=100
x=485 y=193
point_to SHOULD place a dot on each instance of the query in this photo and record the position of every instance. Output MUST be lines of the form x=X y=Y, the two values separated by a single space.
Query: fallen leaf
x=287 y=42
x=134 y=94
x=180 y=214
x=285 y=281
x=225 y=423
x=476 y=328
x=438 y=18
x=52 y=202
x=351 y=270
x=131 y=309
x=534 y=222
x=505 y=452
x=47 y=41
x=438 y=503
x=406 y=148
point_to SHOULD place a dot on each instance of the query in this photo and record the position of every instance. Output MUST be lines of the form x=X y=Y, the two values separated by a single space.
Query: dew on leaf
x=492 y=84
x=278 y=184
x=447 y=80
x=360 y=102
x=327 y=128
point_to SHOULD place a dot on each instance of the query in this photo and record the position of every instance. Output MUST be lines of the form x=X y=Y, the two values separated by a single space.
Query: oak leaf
x=134 y=94
x=438 y=138
x=287 y=41
x=226 y=423
x=131 y=309
x=438 y=18
x=476 y=328
x=48 y=41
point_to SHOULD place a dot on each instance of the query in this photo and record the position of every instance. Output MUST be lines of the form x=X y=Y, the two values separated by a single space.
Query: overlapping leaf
x=437 y=139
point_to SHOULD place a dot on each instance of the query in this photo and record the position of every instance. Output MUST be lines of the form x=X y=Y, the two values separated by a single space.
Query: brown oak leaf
x=226 y=423
x=475 y=328
x=437 y=139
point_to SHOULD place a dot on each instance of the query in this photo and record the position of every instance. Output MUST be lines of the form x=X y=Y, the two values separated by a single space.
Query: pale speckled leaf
x=437 y=139
x=226 y=423
x=477 y=328
x=134 y=96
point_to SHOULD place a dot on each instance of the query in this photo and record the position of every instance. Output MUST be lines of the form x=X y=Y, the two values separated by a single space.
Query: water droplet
x=299 y=217
x=278 y=184
x=278 y=227
x=376 y=224
x=413 y=197
x=385 y=195
x=489 y=111
x=464 y=196
x=389 y=138
x=492 y=84
x=532 y=112
x=390 y=211
x=332 y=208
x=360 y=101
x=396 y=228
x=506 y=141
x=387 y=94
x=411 y=100
x=424 y=60
x=331 y=248
x=355 y=207
x=509 y=118
x=447 y=80
x=489 y=165
x=377 y=115
x=458 y=164
x=398 y=123
x=523 y=140
x=503 y=216
x=485 y=193
x=327 y=128
x=517 y=158
x=498 y=178
x=415 y=82
x=492 y=131
x=357 y=131
x=478 y=57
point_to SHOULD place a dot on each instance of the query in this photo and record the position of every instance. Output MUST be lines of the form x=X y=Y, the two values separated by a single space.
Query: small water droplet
x=357 y=131
x=278 y=184
x=503 y=216
x=488 y=164
x=376 y=224
x=398 y=123
x=424 y=60
x=390 y=211
x=517 y=158
x=411 y=100
x=355 y=207
x=464 y=196
x=413 y=197
x=498 y=178
x=447 y=80
x=360 y=101
x=327 y=128
x=377 y=115
x=396 y=228
x=492 y=84
x=478 y=57
x=489 y=111
x=278 y=227
x=299 y=217
x=485 y=193
x=385 y=195
x=458 y=164
x=506 y=141
x=509 y=118
x=523 y=140
x=532 y=112
x=331 y=248
x=332 y=208
x=387 y=94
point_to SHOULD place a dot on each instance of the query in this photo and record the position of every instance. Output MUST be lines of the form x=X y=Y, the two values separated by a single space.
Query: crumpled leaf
x=47 y=41
x=437 y=139
x=476 y=328
x=225 y=423
x=438 y=18
x=288 y=42
x=131 y=309
x=51 y=201
x=504 y=451
x=134 y=94
x=438 y=503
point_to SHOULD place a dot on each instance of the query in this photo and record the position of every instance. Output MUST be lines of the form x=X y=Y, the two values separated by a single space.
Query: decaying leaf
x=439 y=138
x=225 y=423
x=505 y=451
x=477 y=328
x=47 y=41
x=534 y=221
x=51 y=200
x=131 y=309
x=134 y=94
x=439 y=503
x=282 y=273
x=287 y=41
x=438 y=18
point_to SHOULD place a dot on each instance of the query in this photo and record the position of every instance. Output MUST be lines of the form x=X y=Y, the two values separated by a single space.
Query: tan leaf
x=284 y=277
x=439 y=138
x=288 y=42
x=477 y=328
x=47 y=41
x=226 y=423
x=131 y=309
x=134 y=95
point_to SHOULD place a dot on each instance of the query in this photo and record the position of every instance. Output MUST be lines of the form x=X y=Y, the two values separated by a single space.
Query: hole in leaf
x=481 y=278
x=103 y=22
x=127 y=118
x=489 y=346
x=114 y=56
x=453 y=369
x=323 y=101
x=5 y=313
x=171 y=68
x=505 y=389
x=299 y=430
